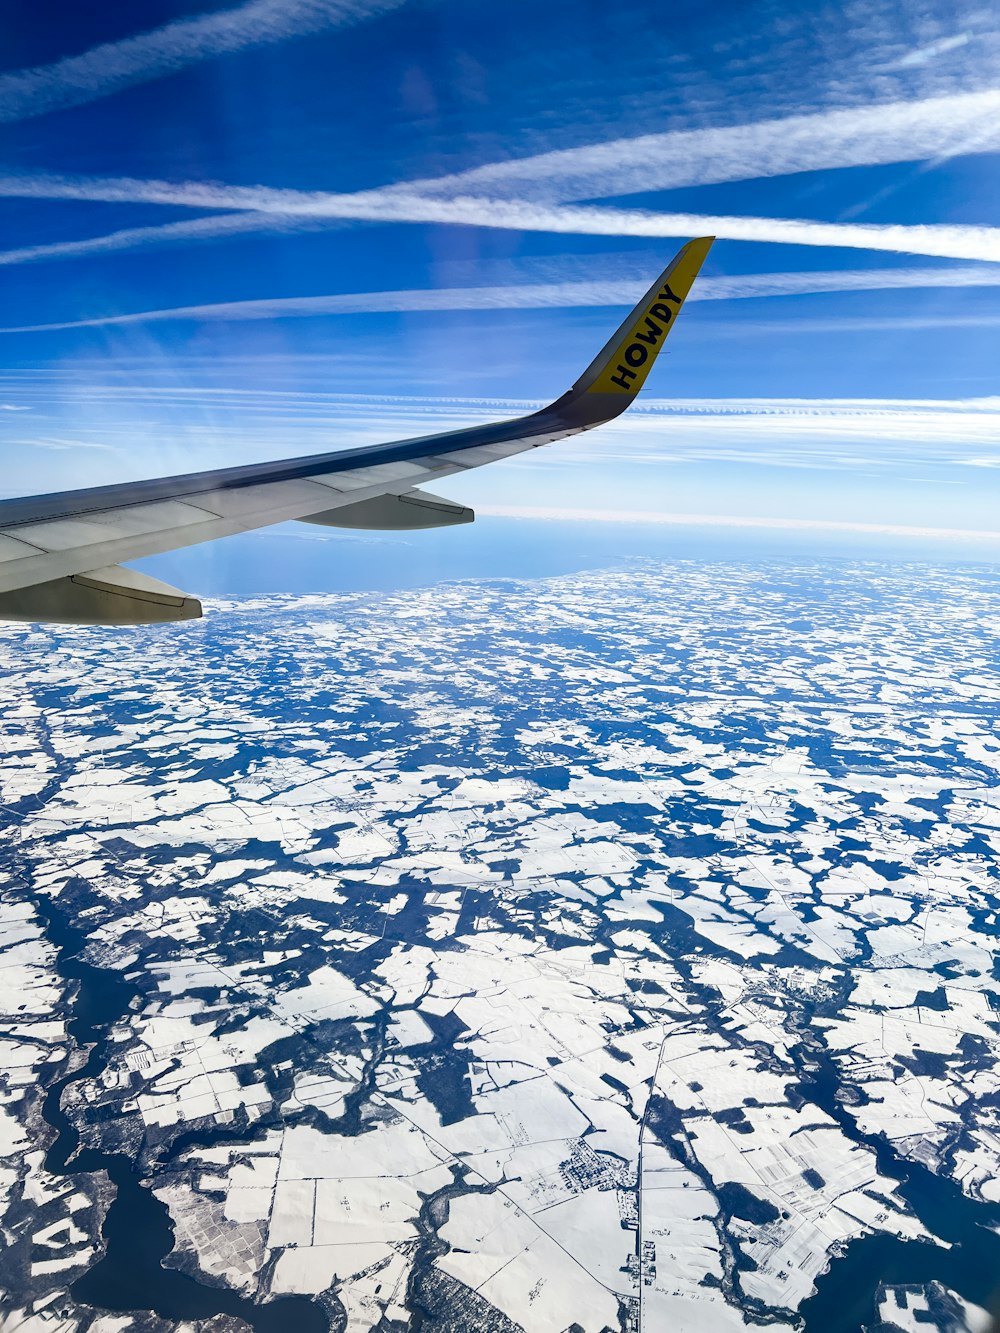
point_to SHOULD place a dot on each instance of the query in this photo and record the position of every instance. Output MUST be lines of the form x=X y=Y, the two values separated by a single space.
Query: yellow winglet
x=622 y=366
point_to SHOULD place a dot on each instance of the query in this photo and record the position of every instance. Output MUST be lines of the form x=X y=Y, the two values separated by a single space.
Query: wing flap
x=100 y=597
x=270 y=497
x=133 y=521
x=382 y=474
x=395 y=513
x=14 y=548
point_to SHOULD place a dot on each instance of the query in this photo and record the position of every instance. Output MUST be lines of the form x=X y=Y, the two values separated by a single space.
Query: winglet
x=618 y=372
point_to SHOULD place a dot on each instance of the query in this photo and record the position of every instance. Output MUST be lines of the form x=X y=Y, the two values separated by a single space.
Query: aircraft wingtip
x=619 y=371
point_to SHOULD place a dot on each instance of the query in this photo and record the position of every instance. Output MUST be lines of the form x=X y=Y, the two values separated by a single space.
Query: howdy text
x=658 y=318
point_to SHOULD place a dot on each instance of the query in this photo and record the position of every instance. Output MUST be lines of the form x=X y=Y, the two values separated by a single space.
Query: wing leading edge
x=59 y=554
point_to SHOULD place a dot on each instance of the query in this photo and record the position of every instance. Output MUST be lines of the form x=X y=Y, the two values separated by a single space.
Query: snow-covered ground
x=491 y=939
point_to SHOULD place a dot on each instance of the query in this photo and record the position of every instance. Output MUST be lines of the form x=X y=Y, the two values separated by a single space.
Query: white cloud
x=110 y=68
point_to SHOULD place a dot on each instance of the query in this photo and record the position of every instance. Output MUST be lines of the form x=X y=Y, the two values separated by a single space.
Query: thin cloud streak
x=843 y=280
x=733 y=521
x=812 y=406
x=862 y=324
x=698 y=427
x=537 y=296
x=842 y=431
x=170 y=233
x=115 y=66
x=883 y=437
x=61 y=445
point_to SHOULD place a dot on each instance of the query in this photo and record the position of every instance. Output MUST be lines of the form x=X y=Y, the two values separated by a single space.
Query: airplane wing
x=60 y=554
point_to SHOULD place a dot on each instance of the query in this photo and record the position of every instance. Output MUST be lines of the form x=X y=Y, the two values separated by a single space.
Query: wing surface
x=59 y=554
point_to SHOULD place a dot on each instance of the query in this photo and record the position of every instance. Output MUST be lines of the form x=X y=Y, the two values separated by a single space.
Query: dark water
x=845 y=1296
x=139 y=1235
x=137 y=1231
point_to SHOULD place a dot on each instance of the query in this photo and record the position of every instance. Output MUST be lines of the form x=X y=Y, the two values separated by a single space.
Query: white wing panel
x=12 y=548
x=42 y=567
x=61 y=534
x=483 y=453
x=276 y=497
x=382 y=475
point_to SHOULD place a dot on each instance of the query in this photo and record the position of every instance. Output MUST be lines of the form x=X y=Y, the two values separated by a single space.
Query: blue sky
x=242 y=232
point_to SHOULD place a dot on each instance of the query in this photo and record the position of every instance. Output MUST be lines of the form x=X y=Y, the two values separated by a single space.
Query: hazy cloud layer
x=734 y=521
x=784 y=431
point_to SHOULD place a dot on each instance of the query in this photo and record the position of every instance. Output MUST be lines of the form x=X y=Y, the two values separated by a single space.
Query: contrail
x=931 y=128
x=535 y=296
x=531 y=193
x=946 y=241
x=115 y=66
